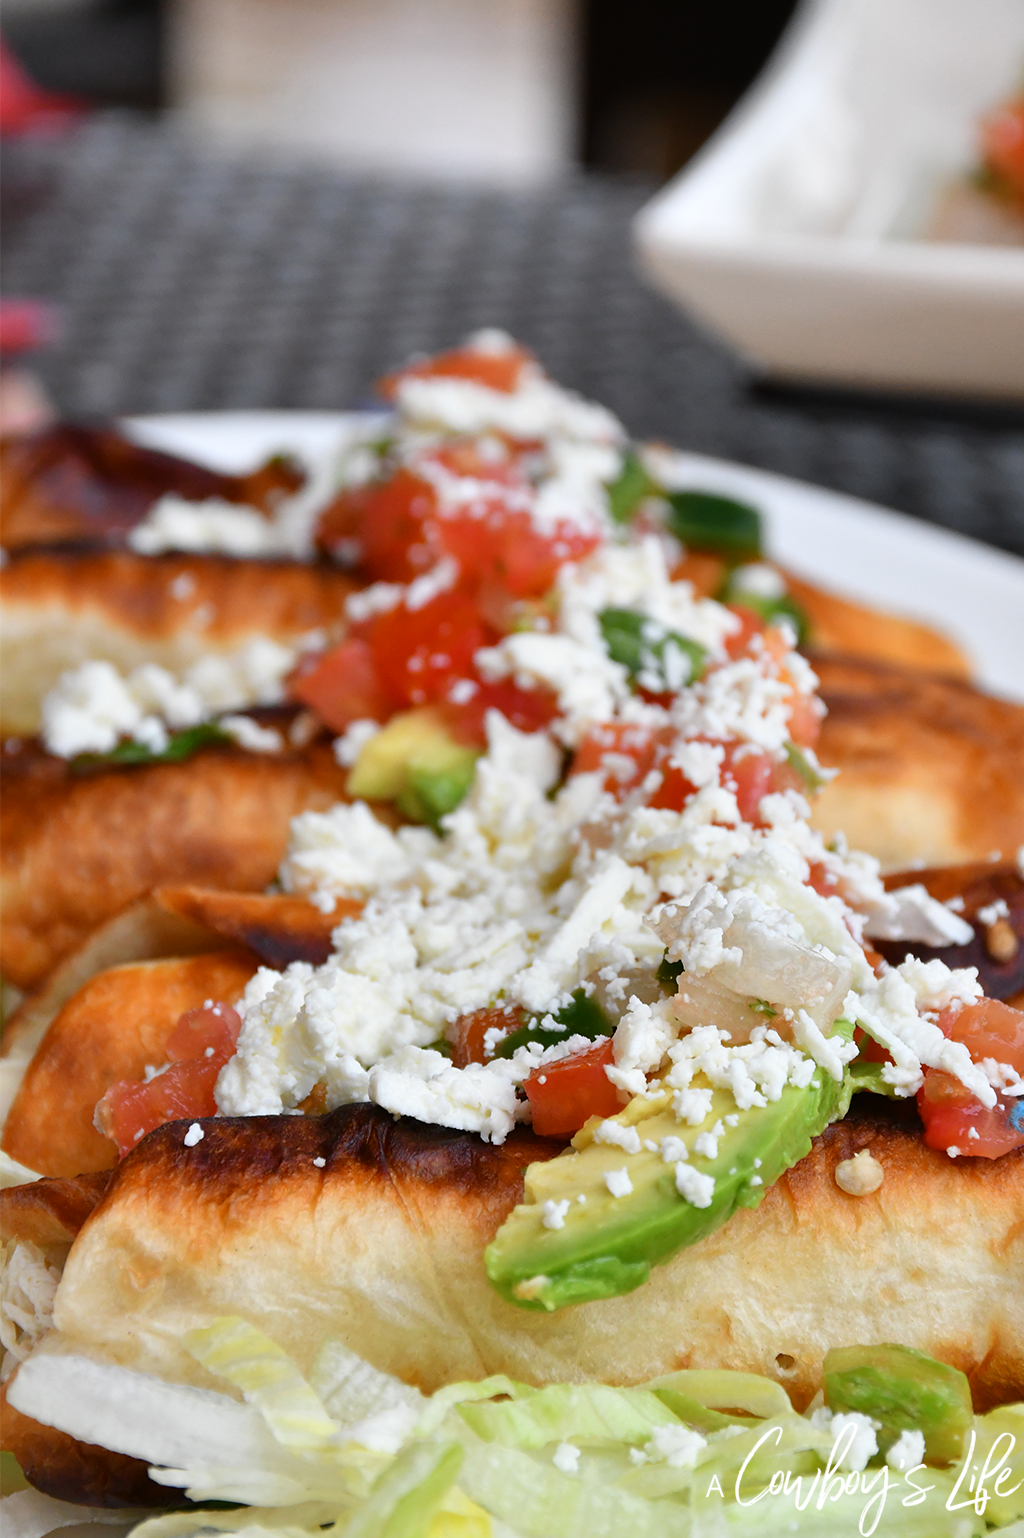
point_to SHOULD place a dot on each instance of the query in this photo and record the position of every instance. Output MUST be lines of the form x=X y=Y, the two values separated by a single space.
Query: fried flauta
x=113 y=1029
x=931 y=769
x=382 y=1247
x=63 y=607
x=278 y=927
x=78 y=848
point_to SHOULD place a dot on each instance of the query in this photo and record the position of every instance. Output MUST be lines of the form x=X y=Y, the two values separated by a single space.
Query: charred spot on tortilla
x=279 y=928
x=988 y=896
x=73 y=483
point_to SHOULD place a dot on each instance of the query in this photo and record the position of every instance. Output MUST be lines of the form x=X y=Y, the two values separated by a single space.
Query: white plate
x=973 y=593
x=794 y=233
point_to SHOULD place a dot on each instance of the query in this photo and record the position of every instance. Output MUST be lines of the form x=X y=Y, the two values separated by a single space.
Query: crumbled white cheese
x=890 y=1010
x=618 y=1182
x=911 y=913
x=319 y=1164
x=907 y=1452
x=345 y=852
x=677 y=1445
x=214 y=526
x=854 y=1436
x=92 y=707
x=353 y=740
x=554 y=1213
x=614 y=1133
x=706 y=1143
x=759 y=579
x=566 y=1458
x=697 y=1189
x=993 y=912
x=194 y=1135
x=249 y=734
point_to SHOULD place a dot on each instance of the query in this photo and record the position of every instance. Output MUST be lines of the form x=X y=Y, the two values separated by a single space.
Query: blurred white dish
x=793 y=232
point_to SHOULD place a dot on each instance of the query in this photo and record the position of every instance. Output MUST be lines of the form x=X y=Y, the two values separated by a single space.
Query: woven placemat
x=188 y=281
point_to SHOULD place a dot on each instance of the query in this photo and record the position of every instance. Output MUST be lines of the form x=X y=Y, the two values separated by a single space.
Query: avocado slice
x=417 y=763
x=608 y=1244
x=907 y=1391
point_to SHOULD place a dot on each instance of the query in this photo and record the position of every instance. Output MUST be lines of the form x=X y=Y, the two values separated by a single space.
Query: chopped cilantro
x=659 y=659
x=627 y=492
x=180 y=745
x=813 y=779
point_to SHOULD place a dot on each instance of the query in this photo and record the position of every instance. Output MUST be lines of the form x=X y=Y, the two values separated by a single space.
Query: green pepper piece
x=580 y=1018
x=907 y=1391
x=705 y=521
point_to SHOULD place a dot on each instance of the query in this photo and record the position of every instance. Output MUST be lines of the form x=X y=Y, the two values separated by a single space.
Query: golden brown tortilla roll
x=931 y=769
x=48 y=1214
x=63 y=607
x=76 y=849
x=112 y=1029
x=840 y=626
x=382 y=1248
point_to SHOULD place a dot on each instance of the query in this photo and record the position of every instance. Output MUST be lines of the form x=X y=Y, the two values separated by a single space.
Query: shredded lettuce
x=354 y=1453
x=268 y=1379
x=566 y=1411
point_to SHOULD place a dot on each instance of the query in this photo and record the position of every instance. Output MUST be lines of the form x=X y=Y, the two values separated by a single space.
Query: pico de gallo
x=495 y=508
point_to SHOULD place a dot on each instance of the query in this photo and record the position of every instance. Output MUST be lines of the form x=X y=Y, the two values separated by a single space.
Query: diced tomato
x=395 y=528
x=500 y=544
x=420 y=653
x=200 y=1044
x=495 y=370
x=751 y=624
x=804 y=720
x=564 y=1095
x=1002 y=139
x=527 y=709
x=674 y=791
x=468 y=1032
x=952 y=1116
x=343 y=685
x=753 y=774
x=988 y=1028
x=612 y=747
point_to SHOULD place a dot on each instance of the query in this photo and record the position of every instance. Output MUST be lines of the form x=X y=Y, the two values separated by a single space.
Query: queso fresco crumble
x=606 y=890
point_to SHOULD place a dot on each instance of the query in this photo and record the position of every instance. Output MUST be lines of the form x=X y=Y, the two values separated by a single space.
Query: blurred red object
x=25 y=324
x=25 y=107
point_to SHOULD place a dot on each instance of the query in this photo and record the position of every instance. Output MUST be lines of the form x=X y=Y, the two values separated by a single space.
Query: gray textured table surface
x=187 y=281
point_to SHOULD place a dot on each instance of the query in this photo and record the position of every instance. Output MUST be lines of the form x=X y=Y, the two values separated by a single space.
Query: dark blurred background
x=212 y=256
x=654 y=78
